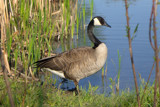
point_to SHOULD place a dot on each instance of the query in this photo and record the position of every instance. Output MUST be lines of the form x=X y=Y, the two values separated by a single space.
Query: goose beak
x=106 y=24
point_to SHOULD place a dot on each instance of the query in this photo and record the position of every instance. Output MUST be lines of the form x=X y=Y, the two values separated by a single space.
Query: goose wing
x=62 y=61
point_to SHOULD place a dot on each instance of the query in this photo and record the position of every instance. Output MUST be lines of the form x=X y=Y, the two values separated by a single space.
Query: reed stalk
x=147 y=83
x=30 y=29
x=106 y=70
x=91 y=6
x=155 y=48
x=131 y=54
x=83 y=9
x=119 y=70
x=103 y=72
x=3 y=54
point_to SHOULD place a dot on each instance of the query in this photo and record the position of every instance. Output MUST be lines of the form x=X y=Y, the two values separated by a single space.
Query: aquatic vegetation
x=131 y=54
x=48 y=95
x=91 y=6
x=35 y=24
x=32 y=29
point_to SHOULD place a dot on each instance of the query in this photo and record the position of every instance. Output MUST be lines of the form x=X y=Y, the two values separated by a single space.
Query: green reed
x=9 y=42
x=103 y=71
x=72 y=29
x=118 y=74
x=46 y=95
x=119 y=70
x=16 y=58
x=36 y=27
x=91 y=7
x=77 y=22
x=83 y=9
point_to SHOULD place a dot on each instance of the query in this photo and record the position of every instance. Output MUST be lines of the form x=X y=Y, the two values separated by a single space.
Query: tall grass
x=32 y=27
x=83 y=10
x=131 y=53
x=118 y=70
x=77 y=25
x=47 y=95
x=37 y=23
x=155 y=47
x=91 y=6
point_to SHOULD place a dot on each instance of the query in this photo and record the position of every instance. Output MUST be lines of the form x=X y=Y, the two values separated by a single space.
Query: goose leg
x=77 y=88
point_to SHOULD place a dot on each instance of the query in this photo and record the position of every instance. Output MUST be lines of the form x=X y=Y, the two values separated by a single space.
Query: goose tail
x=60 y=74
x=44 y=64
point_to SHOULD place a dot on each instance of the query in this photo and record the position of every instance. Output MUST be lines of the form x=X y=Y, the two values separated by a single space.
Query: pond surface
x=113 y=11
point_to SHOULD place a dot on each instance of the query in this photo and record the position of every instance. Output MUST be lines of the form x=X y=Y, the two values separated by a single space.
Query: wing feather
x=62 y=61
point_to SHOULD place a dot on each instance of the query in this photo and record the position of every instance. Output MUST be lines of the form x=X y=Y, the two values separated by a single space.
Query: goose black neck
x=91 y=35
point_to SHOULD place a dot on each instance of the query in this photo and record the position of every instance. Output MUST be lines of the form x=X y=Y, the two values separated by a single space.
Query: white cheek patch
x=96 y=22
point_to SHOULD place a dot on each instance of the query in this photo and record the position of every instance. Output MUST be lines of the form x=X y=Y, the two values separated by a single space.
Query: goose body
x=78 y=63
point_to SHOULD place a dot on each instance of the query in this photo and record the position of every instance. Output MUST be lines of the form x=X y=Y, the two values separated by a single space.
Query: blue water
x=113 y=11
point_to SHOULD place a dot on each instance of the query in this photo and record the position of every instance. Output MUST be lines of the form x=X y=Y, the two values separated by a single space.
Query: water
x=113 y=11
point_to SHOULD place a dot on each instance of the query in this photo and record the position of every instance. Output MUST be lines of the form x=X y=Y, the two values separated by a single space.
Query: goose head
x=96 y=21
x=99 y=21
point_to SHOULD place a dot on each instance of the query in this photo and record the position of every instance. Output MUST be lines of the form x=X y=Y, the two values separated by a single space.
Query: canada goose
x=79 y=63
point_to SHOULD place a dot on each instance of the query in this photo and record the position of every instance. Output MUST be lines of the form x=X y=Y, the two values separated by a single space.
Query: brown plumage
x=79 y=63
x=75 y=61
x=60 y=61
